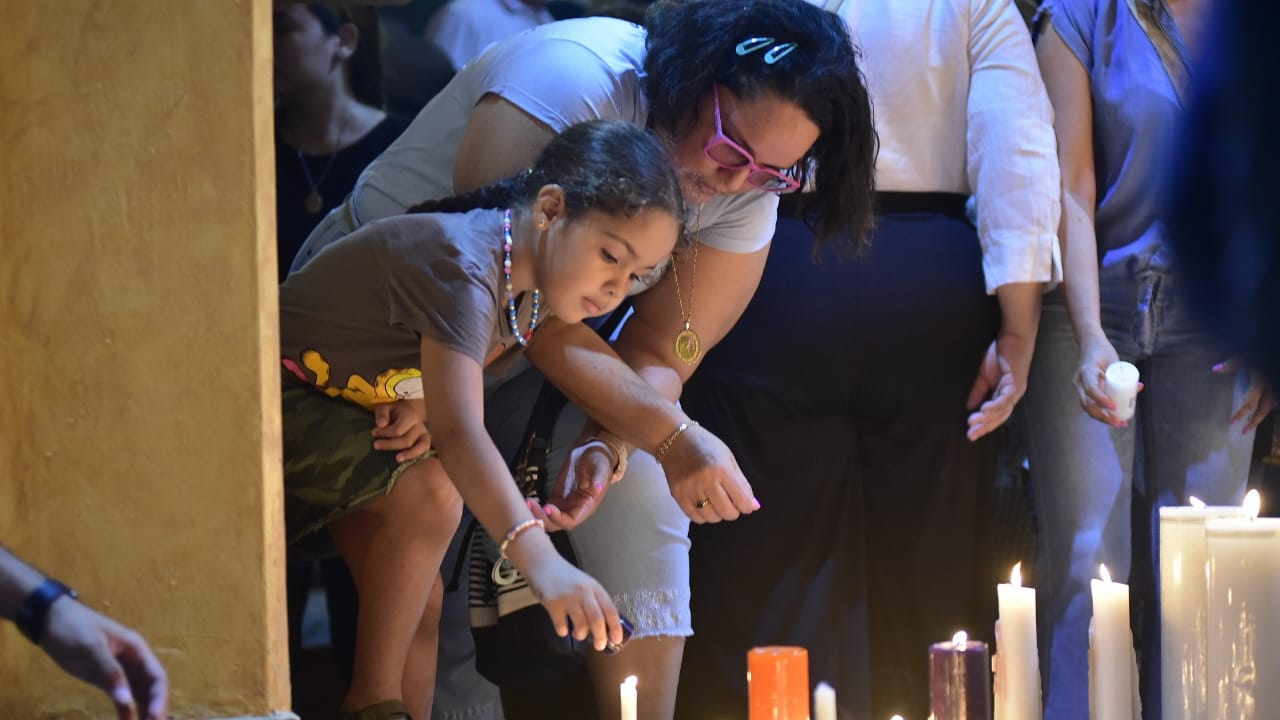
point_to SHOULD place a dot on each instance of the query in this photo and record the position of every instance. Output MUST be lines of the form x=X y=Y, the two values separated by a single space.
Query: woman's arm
x=1013 y=170
x=1068 y=85
x=616 y=389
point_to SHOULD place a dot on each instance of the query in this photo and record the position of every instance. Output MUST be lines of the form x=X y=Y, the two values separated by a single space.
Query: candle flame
x=1102 y=573
x=1015 y=576
x=1252 y=504
x=960 y=639
x=631 y=681
x=1196 y=502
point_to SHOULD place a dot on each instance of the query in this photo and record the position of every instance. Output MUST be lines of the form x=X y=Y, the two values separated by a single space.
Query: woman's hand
x=1258 y=400
x=103 y=652
x=1002 y=375
x=1096 y=355
x=401 y=426
x=705 y=478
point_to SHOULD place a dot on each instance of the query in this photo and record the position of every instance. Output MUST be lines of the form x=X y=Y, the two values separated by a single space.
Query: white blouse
x=960 y=107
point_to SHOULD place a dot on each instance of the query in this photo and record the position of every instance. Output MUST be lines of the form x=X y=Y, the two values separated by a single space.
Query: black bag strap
x=529 y=466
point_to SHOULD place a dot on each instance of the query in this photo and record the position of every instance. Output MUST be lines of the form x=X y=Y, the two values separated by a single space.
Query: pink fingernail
x=599 y=487
x=755 y=503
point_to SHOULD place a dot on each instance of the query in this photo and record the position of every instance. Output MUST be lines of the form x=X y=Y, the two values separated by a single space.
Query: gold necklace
x=688 y=346
x=315 y=201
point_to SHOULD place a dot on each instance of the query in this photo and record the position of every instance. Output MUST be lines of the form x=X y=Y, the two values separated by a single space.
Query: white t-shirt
x=960 y=107
x=561 y=73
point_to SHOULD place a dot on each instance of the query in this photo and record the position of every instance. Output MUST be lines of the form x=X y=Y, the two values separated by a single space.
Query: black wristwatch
x=32 y=614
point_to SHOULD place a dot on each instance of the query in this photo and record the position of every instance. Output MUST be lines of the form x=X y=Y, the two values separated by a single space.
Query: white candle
x=1017 y=658
x=824 y=702
x=1121 y=385
x=627 y=694
x=1243 y=640
x=1184 y=607
x=1112 y=663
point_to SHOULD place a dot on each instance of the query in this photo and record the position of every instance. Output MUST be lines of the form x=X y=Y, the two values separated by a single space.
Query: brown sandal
x=385 y=710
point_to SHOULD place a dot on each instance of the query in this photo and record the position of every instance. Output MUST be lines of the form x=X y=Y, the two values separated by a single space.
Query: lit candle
x=1017 y=661
x=824 y=702
x=1112 y=664
x=1184 y=607
x=960 y=679
x=627 y=694
x=778 y=683
x=1243 y=639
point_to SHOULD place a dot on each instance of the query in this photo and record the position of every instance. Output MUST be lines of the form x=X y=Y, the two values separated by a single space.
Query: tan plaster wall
x=139 y=449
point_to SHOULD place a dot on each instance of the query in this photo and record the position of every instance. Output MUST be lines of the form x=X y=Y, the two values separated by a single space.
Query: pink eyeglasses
x=732 y=156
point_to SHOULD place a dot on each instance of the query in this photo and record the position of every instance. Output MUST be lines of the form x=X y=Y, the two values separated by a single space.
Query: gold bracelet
x=619 y=448
x=666 y=444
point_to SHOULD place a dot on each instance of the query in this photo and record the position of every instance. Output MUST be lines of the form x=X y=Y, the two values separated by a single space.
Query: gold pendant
x=314 y=203
x=688 y=345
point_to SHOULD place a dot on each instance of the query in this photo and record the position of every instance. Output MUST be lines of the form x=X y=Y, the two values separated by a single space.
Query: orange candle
x=778 y=683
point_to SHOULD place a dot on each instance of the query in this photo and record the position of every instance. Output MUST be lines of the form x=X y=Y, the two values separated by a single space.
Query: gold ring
x=702 y=503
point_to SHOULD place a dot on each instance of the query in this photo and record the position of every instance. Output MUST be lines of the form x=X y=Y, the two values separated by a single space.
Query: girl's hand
x=401 y=425
x=575 y=600
x=1258 y=400
x=1096 y=354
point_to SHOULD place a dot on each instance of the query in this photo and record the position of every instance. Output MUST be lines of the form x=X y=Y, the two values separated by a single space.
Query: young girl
x=410 y=313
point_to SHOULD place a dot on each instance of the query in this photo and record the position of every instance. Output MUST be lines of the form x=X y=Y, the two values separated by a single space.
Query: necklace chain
x=315 y=200
x=525 y=337
x=687 y=345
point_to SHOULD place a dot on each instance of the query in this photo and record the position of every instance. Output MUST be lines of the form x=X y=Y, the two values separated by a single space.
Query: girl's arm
x=1067 y=82
x=454 y=391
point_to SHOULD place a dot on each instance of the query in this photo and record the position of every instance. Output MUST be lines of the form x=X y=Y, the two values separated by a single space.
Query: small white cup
x=1122 y=388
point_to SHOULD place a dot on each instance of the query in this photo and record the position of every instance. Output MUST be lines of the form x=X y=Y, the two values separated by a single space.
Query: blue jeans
x=1087 y=476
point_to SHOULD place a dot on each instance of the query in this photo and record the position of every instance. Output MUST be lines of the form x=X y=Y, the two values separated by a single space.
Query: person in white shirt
x=859 y=395
x=464 y=28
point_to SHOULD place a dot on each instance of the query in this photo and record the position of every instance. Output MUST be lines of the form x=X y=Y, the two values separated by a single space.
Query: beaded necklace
x=525 y=337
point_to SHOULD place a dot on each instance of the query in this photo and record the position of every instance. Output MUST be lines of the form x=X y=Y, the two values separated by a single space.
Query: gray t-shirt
x=1135 y=116
x=352 y=320
x=561 y=74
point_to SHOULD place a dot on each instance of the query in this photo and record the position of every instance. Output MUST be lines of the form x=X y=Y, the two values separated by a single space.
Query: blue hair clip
x=752 y=44
x=777 y=52
x=772 y=55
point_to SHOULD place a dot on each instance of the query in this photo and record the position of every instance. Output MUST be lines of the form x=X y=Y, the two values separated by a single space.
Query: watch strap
x=32 y=614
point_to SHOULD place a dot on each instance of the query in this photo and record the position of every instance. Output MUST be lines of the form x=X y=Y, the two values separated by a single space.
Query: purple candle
x=960 y=679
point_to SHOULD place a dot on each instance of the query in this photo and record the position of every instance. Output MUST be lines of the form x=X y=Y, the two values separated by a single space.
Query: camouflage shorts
x=330 y=466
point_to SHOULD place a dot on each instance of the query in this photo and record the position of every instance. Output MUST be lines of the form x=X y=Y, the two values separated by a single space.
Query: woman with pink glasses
x=754 y=99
